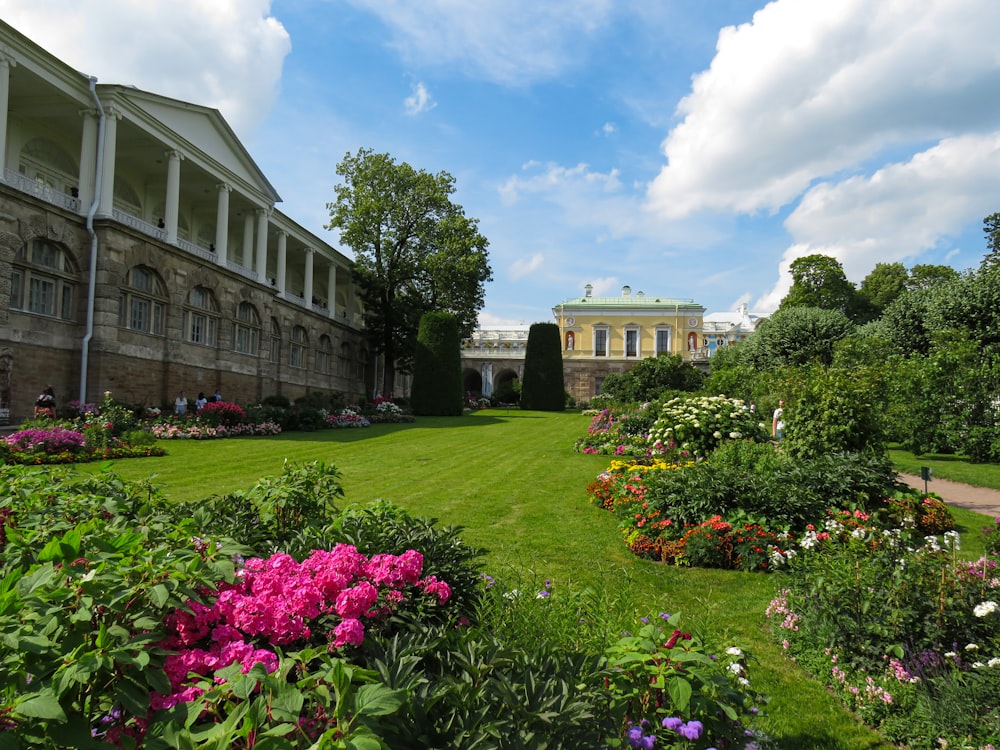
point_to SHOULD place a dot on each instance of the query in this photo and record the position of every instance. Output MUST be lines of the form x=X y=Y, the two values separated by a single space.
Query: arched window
x=43 y=281
x=323 y=354
x=201 y=317
x=142 y=302
x=297 y=350
x=570 y=340
x=274 y=350
x=344 y=360
x=246 y=329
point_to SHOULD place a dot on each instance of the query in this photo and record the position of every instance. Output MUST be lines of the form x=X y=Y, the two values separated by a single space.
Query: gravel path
x=979 y=499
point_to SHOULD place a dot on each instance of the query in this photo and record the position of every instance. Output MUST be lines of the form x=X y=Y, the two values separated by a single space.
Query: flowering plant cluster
x=663 y=678
x=54 y=439
x=618 y=433
x=346 y=418
x=194 y=429
x=900 y=626
x=992 y=534
x=697 y=425
x=222 y=413
x=278 y=603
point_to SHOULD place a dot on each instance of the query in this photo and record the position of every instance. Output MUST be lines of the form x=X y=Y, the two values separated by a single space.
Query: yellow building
x=603 y=335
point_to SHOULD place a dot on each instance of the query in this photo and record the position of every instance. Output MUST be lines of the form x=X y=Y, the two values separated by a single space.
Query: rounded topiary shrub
x=437 y=367
x=542 y=388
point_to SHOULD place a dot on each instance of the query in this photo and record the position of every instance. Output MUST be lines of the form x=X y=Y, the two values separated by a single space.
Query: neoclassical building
x=603 y=335
x=141 y=252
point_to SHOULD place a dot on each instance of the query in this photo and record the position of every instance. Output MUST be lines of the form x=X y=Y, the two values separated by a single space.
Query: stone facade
x=141 y=253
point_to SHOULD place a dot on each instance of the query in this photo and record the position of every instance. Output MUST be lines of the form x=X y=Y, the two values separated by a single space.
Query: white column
x=308 y=293
x=222 y=224
x=5 y=65
x=246 y=259
x=282 y=262
x=171 y=211
x=331 y=290
x=88 y=159
x=262 y=244
x=106 y=205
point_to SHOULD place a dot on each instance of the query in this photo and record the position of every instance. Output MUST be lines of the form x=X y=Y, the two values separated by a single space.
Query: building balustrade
x=198 y=250
x=39 y=189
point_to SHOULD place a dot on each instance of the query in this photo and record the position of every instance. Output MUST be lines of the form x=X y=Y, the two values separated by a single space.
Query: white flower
x=736 y=668
x=972 y=647
x=734 y=651
x=994 y=662
x=985 y=608
x=950 y=655
x=858 y=533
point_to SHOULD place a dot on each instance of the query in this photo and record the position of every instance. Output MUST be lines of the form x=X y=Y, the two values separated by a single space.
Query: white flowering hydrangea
x=694 y=426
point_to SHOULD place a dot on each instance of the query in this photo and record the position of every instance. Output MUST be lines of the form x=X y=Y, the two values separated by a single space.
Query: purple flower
x=634 y=735
x=672 y=723
x=691 y=731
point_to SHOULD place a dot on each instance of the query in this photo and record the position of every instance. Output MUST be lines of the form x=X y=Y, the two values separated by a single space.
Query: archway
x=472 y=382
x=503 y=386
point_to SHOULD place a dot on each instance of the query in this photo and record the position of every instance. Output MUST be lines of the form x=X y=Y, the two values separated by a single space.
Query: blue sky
x=687 y=149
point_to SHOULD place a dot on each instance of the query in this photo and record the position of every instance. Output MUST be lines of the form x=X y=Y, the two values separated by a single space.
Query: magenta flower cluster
x=279 y=601
x=51 y=440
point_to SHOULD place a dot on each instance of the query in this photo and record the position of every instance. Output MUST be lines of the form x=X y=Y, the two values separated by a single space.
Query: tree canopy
x=819 y=281
x=415 y=251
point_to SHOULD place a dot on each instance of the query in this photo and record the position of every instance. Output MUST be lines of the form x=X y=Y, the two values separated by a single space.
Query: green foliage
x=415 y=251
x=883 y=284
x=795 y=336
x=819 y=281
x=658 y=675
x=900 y=624
x=437 y=370
x=835 y=410
x=542 y=388
x=757 y=481
x=694 y=426
x=273 y=511
x=650 y=379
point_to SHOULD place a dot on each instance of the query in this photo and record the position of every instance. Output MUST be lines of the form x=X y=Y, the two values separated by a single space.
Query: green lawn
x=513 y=481
x=955 y=468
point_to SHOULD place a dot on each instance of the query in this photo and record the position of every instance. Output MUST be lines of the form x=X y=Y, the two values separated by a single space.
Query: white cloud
x=609 y=128
x=419 y=101
x=507 y=41
x=809 y=89
x=524 y=266
x=226 y=54
x=898 y=212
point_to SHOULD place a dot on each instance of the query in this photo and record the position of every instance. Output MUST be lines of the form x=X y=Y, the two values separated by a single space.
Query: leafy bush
x=898 y=623
x=222 y=413
x=694 y=426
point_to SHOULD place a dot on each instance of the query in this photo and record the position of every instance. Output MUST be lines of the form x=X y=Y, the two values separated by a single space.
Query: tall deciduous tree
x=991 y=228
x=819 y=281
x=415 y=251
x=882 y=285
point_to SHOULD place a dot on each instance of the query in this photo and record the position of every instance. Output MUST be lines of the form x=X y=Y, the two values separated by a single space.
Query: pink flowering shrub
x=329 y=598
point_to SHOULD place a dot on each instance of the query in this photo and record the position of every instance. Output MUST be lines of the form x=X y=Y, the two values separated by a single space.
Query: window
x=631 y=342
x=323 y=354
x=274 y=351
x=600 y=342
x=142 y=301
x=662 y=341
x=201 y=318
x=246 y=329
x=43 y=281
x=297 y=352
x=344 y=361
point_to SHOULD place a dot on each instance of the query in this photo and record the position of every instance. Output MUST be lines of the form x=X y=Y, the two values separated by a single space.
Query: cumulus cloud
x=901 y=210
x=420 y=100
x=226 y=54
x=808 y=89
x=525 y=266
x=513 y=42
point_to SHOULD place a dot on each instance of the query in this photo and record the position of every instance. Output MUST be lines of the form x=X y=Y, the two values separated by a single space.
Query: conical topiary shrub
x=542 y=388
x=437 y=367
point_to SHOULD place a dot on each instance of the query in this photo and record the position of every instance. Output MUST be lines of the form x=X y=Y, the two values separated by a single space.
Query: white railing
x=136 y=223
x=197 y=250
x=499 y=353
x=38 y=189
x=241 y=270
